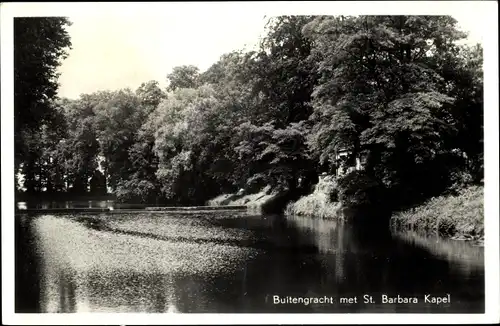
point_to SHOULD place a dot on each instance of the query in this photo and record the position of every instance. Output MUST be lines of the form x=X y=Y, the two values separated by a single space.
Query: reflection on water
x=466 y=257
x=220 y=262
x=66 y=204
x=44 y=204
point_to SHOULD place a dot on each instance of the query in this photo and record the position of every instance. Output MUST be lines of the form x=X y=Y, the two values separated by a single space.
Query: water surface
x=223 y=262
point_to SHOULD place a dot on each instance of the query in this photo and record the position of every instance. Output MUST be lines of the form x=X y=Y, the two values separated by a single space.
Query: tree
x=41 y=167
x=286 y=73
x=275 y=157
x=463 y=79
x=140 y=184
x=232 y=79
x=79 y=149
x=395 y=91
x=40 y=43
x=183 y=77
x=98 y=183
x=150 y=94
x=118 y=119
x=180 y=123
x=381 y=94
x=282 y=77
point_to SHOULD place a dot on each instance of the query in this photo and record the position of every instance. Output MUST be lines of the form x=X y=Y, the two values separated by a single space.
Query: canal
x=226 y=262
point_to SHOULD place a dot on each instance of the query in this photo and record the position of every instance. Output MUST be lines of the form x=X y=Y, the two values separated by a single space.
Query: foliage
x=459 y=215
x=182 y=128
x=117 y=120
x=40 y=43
x=396 y=92
x=183 y=77
x=98 y=183
x=273 y=140
x=276 y=156
x=319 y=203
x=358 y=189
x=382 y=95
x=150 y=94
x=80 y=148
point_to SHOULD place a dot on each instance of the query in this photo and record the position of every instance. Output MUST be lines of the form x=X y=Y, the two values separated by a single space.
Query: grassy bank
x=457 y=217
x=318 y=203
x=255 y=202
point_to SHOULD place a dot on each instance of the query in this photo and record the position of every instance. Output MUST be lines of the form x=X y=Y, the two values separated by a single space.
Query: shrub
x=133 y=191
x=363 y=200
x=334 y=195
x=358 y=190
x=322 y=202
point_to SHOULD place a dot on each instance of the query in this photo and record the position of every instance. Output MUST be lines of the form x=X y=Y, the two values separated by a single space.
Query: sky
x=113 y=50
x=111 y=53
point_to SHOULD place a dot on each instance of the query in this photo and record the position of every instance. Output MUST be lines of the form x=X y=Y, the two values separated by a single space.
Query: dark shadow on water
x=27 y=268
x=352 y=262
x=297 y=256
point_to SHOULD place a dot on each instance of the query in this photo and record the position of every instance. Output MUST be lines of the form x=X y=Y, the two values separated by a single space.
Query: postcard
x=250 y=163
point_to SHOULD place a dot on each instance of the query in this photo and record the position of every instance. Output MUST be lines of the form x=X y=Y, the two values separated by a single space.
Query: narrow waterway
x=228 y=262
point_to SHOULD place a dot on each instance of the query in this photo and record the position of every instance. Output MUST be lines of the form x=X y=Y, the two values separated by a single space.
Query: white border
x=488 y=10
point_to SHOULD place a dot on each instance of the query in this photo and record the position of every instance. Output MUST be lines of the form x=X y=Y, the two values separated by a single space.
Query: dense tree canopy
x=183 y=77
x=396 y=92
x=386 y=93
x=40 y=43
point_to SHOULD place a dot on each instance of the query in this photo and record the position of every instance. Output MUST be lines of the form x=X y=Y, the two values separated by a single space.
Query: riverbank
x=319 y=203
x=255 y=202
x=458 y=217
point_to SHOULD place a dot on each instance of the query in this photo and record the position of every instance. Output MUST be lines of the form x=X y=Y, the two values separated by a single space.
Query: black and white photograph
x=164 y=161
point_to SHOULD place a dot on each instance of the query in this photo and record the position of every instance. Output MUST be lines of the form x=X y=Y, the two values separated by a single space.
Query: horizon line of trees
x=400 y=91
